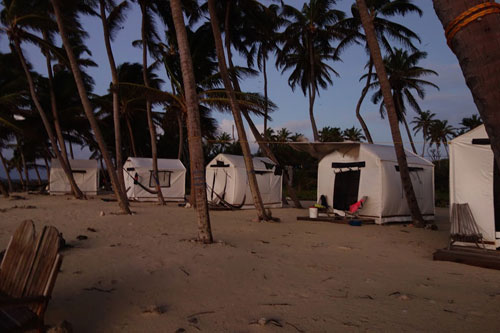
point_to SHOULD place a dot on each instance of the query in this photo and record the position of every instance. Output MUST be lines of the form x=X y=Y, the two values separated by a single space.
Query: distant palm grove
x=162 y=105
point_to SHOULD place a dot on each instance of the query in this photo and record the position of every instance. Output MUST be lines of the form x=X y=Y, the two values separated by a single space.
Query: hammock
x=463 y=226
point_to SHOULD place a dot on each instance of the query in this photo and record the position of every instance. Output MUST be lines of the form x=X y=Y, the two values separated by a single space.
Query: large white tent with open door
x=227 y=181
x=475 y=180
x=140 y=183
x=85 y=173
x=355 y=170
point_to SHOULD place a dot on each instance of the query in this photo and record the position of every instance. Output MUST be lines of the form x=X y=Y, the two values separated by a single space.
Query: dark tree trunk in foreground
x=477 y=47
x=39 y=180
x=9 y=180
x=391 y=112
x=89 y=112
x=3 y=190
x=245 y=147
x=149 y=113
x=116 y=100
x=196 y=159
x=76 y=191
x=360 y=101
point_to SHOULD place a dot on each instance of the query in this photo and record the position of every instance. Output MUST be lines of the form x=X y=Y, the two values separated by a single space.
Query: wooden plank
x=480 y=258
x=17 y=260
x=337 y=219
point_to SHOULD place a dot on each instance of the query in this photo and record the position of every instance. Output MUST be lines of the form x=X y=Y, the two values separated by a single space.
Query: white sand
x=311 y=277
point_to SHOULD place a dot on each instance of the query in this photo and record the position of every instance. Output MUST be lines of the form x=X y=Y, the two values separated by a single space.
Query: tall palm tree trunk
x=21 y=178
x=131 y=136
x=70 y=144
x=391 y=112
x=53 y=104
x=47 y=168
x=312 y=92
x=180 y=124
x=245 y=147
x=116 y=99
x=4 y=164
x=477 y=47
x=89 y=112
x=360 y=101
x=196 y=160
x=149 y=113
x=266 y=98
x=37 y=174
x=76 y=191
x=410 y=137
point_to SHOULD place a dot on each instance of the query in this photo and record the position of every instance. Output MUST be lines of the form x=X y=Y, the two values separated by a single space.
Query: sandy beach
x=142 y=273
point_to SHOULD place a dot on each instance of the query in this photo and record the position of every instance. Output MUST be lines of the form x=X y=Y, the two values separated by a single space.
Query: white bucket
x=313 y=212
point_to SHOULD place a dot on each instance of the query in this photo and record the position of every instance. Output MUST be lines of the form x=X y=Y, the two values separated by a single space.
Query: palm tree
x=385 y=87
x=404 y=77
x=469 y=123
x=439 y=133
x=353 y=134
x=147 y=31
x=479 y=63
x=15 y=20
x=307 y=49
x=330 y=134
x=110 y=25
x=422 y=123
x=197 y=163
x=252 y=181
x=87 y=106
x=380 y=11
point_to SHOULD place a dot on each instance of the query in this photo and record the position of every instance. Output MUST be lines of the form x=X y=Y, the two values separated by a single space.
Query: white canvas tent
x=227 y=180
x=85 y=173
x=355 y=170
x=140 y=184
x=475 y=180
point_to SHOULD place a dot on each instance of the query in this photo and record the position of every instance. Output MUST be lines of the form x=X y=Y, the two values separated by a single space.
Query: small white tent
x=227 y=180
x=85 y=173
x=475 y=180
x=140 y=184
x=355 y=170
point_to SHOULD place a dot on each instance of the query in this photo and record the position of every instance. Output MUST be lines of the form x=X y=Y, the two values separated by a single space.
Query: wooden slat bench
x=27 y=276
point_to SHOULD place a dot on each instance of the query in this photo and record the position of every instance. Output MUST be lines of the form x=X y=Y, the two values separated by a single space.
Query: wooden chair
x=27 y=276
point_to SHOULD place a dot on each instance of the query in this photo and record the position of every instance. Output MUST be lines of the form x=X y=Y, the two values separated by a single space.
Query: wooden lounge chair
x=27 y=276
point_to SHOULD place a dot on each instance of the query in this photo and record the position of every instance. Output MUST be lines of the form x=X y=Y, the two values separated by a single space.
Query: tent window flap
x=79 y=171
x=411 y=169
x=163 y=178
x=341 y=165
x=219 y=164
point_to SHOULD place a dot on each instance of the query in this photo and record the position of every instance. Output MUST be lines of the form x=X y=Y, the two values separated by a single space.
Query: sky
x=335 y=107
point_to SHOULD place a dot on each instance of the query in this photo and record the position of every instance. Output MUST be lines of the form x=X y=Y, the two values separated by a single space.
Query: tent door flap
x=345 y=191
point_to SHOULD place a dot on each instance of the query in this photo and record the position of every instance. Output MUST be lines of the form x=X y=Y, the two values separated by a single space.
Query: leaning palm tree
x=62 y=23
x=307 y=49
x=252 y=180
x=17 y=20
x=386 y=31
x=422 y=123
x=197 y=163
x=405 y=77
x=476 y=47
x=385 y=86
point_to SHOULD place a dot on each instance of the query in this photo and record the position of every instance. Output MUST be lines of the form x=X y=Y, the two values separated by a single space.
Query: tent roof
x=477 y=133
x=381 y=152
x=76 y=164
x=238 y=162
x=163 y=163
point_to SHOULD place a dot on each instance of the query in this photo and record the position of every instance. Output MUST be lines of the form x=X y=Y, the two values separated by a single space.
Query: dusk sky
x=336 y=106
